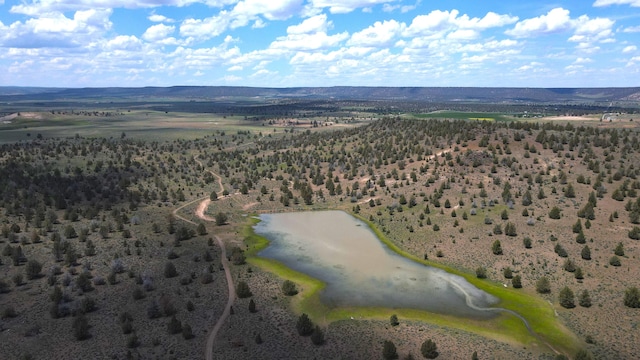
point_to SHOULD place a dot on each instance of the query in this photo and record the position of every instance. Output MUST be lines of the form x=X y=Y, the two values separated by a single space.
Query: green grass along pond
x=350 y=271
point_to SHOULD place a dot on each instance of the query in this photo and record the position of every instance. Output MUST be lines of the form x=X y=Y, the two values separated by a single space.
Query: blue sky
x=286 y=43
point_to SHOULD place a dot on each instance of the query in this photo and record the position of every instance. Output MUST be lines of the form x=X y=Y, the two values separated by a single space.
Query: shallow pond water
x=360 y=270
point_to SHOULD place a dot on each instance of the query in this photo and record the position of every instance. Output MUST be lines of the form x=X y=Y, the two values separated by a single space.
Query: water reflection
x=359 y=270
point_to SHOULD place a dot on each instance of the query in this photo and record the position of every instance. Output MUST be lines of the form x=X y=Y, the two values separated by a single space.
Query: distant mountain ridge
x=435 y=94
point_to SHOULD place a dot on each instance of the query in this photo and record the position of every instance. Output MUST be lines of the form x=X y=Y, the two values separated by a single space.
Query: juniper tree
x=429 y=349
x=81 y=327
x=516 y=282
x=289 y=288
x=566 y=298
x=619 y=250
x=584 y=299
x=304 y=326
x=242 y=290
x=543 y=286
x=393 y=320
x=632 y=297
x=496 y=248
x=317 y=337
x=389 y=351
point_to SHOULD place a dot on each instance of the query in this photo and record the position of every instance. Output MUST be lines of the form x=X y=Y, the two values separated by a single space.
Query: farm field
x=112 y=219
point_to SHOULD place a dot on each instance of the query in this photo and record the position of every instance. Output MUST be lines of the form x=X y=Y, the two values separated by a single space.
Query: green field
x=461 y=115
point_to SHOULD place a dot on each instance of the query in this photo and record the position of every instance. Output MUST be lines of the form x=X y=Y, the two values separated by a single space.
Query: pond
x=359 y=270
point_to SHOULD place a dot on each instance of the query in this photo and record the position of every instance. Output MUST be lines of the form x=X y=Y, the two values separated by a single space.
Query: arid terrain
x=105 y=239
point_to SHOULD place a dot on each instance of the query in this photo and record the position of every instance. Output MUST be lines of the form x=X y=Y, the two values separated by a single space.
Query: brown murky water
x=360 y=270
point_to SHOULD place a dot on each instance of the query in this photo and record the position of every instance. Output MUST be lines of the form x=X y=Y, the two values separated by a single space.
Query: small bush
x=170 y=270
x=242 y=290
x=289 y=288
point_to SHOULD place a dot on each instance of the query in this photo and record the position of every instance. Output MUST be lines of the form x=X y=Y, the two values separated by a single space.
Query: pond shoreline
x=549 y=332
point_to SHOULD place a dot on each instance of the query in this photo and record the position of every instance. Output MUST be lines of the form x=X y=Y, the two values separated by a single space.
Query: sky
x=291 y=43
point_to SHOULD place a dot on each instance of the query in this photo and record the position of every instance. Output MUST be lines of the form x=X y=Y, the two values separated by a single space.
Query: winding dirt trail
x=200 y=213
x=227 y=310
x=178 y=216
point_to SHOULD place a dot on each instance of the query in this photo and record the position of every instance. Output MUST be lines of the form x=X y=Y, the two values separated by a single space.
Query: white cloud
x=207 y=28
x=315 y=41
x=330 y=57
x=438 y=23
x=269 y=9
x=435 y=21
x=586 y=31
x=492 y=45
x=380 y=34
x=57 y=30
x=556 y=20
x=629 y=49
x=313 y=24
x=258 y=24
x=158 y=32
x=592 y=29
x=463 y=34
x=599 y=3
x=159 y=18
x=263 y=73
x=38 y=7
x=632 y=29
x=490 y=20
x=534 y=65
x=633 y=61
x=582 y=60
x=203 y=58
x=587 y=48
x=241 y=15
x=345 y=6
x=124 y=42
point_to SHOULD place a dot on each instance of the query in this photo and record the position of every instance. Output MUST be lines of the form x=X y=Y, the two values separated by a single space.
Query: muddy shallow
x=360 y=270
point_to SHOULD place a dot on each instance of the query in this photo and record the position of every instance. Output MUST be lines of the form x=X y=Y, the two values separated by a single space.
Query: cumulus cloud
x=438 y=23
x=159 y=18
x=433 y=22
x=206 y=28
x=56 y=30
x=313 y=24
x=243 y=13
x=600 y=3
x=158 y=32
x=587 y=29
x=556 y=20
x=490 y=20
x=582 y=60
x=380 y=34
x=530 y=66
x=313 y=41
x=345 y=6
x=36 y=7
x=629 y=49
x=203 y=58
x=124 y=42
x=269 y=9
